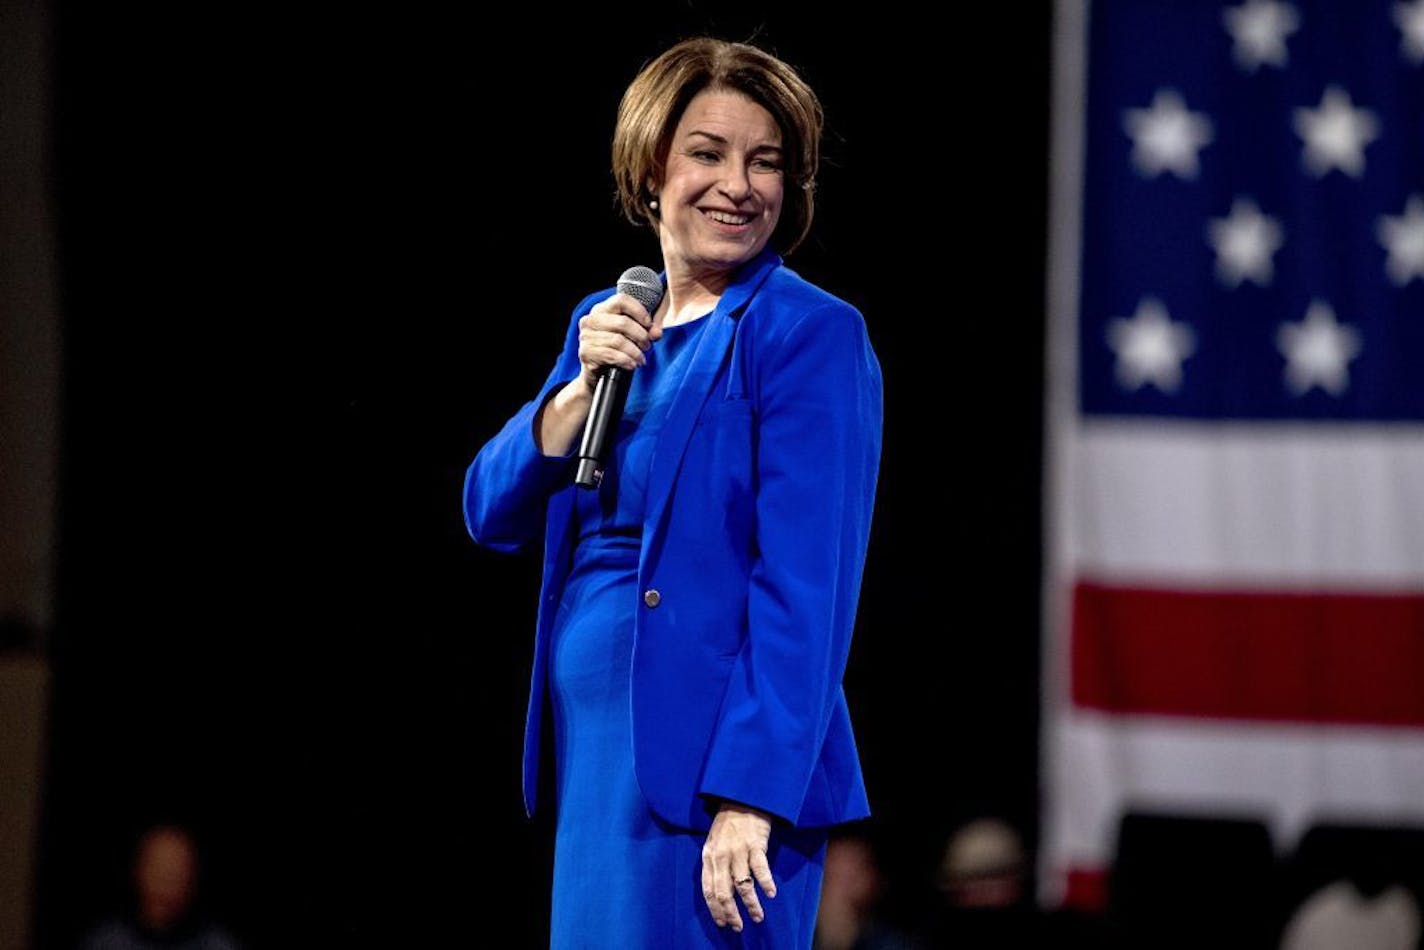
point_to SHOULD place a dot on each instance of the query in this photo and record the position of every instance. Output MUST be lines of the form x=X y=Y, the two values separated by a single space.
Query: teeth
x=725 y=218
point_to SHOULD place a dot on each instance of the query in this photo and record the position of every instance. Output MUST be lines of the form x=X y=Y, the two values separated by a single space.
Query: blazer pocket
x=718 y=472
x=731 y=410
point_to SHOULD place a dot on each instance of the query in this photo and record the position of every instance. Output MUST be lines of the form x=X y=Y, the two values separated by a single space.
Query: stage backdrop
x=1235 y=490
x=310 y=260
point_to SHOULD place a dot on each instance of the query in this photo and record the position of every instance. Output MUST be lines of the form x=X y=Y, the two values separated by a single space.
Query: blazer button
x=651 y=597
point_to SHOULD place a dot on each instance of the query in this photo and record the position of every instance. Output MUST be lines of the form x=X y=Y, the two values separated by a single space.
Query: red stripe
x=1086 y=889
x=1311 y=657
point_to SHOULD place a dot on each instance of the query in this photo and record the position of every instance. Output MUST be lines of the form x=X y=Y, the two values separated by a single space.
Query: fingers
x=761 y=870
x=599 y=348
x=745 y=881
x=718 y=890
x=616 y=332
x=733 y=873
x=626 y=304
x=746 y=888
x=724 y=883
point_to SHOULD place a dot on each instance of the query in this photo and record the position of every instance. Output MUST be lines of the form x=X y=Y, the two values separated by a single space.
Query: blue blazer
x=754 y=542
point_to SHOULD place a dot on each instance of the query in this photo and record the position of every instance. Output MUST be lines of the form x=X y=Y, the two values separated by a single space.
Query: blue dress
x=623 y=878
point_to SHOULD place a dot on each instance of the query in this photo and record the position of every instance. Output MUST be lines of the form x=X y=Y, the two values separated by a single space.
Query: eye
x=766 y=164
x=705 y=155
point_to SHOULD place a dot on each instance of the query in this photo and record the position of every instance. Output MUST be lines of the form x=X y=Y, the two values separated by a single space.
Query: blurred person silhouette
x=984 y=865
x=852 y=888
x=982 y=892
x=163 y=913
x=1356 y=886
x=1342 y=915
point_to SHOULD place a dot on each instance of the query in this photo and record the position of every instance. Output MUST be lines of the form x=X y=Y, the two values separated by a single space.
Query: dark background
x=310 y=259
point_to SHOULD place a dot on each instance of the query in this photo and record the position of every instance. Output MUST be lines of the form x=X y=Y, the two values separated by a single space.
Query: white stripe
x=1287 y=776
x=1248 y=505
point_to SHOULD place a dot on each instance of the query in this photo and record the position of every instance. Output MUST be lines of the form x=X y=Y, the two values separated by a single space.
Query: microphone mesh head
x=644 y=285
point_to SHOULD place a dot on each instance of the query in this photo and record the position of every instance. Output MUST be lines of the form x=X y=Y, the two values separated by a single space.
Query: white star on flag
x=1318 y=351
x=1403 y=238
x=1150 y=348
x=1166 y=136
x=1336 y=134
x=1244 y=242
x=1409 y=17
x=1258 y=31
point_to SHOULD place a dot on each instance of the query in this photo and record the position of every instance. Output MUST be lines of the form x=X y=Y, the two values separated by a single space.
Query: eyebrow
x=767 y=147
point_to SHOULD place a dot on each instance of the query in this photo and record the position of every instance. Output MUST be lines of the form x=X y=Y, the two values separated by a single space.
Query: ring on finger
x=745 y=880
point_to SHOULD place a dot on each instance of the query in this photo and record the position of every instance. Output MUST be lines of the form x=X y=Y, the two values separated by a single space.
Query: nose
x=737 y=182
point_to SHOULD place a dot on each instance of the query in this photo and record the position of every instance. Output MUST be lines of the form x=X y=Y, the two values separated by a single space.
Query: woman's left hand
x=734 y=864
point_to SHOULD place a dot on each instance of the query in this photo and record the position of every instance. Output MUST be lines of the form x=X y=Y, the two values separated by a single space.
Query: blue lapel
x=712 y=347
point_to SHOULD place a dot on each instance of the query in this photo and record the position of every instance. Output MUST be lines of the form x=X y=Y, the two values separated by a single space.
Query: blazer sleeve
x=510 y=480
x=818 y=456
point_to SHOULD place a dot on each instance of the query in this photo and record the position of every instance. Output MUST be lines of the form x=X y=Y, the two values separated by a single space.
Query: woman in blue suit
x=698 y=603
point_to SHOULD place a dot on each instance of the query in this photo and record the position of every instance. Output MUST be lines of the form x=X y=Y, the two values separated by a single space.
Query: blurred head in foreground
x=165 y=877
x=983 y=865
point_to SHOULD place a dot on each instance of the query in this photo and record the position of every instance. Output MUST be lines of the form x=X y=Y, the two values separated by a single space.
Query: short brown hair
x=657 y=97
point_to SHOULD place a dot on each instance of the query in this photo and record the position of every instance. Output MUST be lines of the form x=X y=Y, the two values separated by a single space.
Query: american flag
x=1234 y=606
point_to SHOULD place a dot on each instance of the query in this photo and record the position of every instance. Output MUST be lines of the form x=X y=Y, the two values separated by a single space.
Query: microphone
x=645 y=286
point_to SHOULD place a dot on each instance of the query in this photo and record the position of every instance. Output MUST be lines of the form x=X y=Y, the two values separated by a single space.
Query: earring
x=653 y=203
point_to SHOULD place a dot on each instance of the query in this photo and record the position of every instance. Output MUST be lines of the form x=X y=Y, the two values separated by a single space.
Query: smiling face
x=721 y=194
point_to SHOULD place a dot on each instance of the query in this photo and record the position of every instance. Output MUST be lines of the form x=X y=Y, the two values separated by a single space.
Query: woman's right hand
x=616 y=332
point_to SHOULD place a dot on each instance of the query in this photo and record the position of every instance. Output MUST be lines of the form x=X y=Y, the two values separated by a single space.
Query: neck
x=691 y=293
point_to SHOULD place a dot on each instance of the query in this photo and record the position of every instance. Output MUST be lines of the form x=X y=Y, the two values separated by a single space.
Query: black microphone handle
x=608 y=395
x=645 y=286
